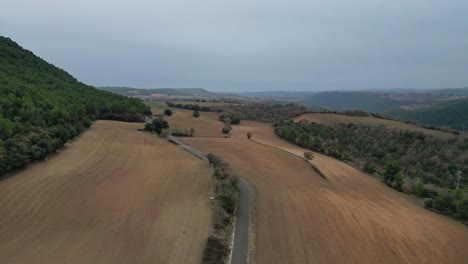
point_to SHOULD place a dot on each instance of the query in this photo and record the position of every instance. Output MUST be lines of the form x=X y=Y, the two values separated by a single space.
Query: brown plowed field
x=115 y=195
x=207 y=125
x=330 y=119
x=348 y=218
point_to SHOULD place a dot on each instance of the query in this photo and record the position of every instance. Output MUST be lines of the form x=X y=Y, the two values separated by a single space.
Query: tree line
x=42 y=107
x=409 y=161
x=194 y=107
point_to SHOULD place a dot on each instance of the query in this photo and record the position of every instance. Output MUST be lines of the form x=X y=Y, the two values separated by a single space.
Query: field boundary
x=312 y=166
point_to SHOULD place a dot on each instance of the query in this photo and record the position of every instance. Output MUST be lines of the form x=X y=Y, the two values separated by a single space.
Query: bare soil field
x=348 y=218
x=207 y=125
x=335 y=119
x=115 y=195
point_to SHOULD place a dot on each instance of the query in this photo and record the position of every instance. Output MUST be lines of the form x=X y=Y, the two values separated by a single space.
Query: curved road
x=241 y=232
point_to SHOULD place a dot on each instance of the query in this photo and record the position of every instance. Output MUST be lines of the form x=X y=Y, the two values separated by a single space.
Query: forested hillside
x=409 y=161
x=453 y=114
x=42 y=107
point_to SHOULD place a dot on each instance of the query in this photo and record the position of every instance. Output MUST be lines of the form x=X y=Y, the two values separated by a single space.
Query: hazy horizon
x=247 y=46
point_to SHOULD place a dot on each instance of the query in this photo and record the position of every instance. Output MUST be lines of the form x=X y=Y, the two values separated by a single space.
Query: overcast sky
x=248 y=45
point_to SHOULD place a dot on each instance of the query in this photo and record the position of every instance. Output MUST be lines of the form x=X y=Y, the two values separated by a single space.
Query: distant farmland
x=335 y=119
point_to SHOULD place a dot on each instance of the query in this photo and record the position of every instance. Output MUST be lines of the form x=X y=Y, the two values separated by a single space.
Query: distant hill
x=128 y=91
x=442 y=107
x=453 y=114
x=42 y=107
x=366 y=101
x=279 y=94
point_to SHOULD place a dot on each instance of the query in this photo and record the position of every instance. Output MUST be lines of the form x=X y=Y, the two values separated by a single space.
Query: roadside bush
x=228 y=202
x=160 y=124
x=164 y=133
x=226 y=194
x=196 y=114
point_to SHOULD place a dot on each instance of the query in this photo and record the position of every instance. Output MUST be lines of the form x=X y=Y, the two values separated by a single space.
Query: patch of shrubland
x=226 y=194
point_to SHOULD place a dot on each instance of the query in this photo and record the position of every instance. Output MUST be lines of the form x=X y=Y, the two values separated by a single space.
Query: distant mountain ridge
x=129 y=91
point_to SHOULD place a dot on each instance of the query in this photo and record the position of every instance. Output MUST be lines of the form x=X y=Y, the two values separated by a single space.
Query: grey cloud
x=248 y=45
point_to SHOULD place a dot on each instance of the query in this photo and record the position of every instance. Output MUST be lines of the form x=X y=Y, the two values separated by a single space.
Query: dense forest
x=409 y=161
x=42 y=107
x=265 y=112
x=453 y=114
x=195 y=107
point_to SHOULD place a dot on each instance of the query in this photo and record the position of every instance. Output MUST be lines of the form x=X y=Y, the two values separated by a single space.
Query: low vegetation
x=182 y=132
x=189 y=106
x=226 y=195
x=409 y=161
x=230 y=118
x=42 y=107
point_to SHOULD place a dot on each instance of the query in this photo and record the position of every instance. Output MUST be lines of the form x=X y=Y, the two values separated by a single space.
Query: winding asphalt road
x=241 y=232
x=241 y=237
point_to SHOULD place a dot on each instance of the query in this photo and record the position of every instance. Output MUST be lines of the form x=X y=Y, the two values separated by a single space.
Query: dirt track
x=116 y=195
x=349 y=218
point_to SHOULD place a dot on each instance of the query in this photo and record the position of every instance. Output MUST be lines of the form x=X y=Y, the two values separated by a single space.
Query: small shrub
x=407 y=187
x=428 y=202
x=308 y=155
x=369 y=168
x=196 y=114
x=226 y=129
x=445 y=202
x=420 y=190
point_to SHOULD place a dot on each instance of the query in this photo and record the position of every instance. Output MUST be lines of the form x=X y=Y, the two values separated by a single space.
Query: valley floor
x=348 y=218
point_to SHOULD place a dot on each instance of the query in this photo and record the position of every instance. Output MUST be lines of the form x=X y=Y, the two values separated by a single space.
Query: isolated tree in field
x=196 y=114
x=192 y=131
x=308 y=155
x=160 y=124
x=168 y=112
x=249 y=135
